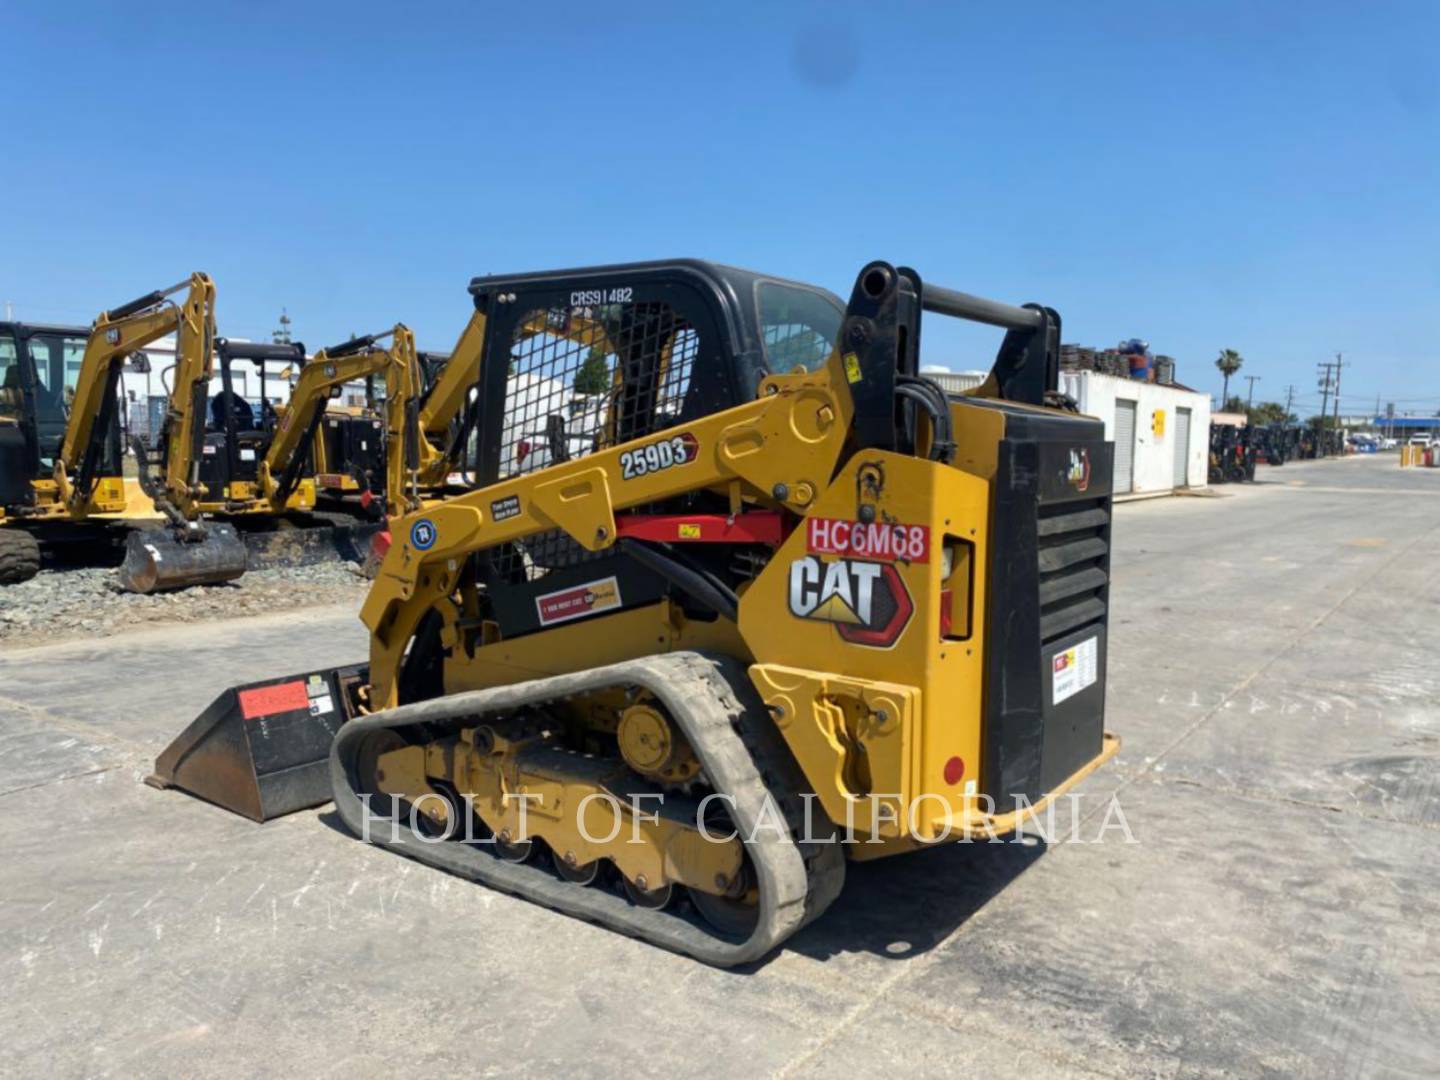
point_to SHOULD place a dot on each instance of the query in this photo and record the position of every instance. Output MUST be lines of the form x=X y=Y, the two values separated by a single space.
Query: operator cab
x=580 y=360
x=602 y=355
x=240 y=417
x=39 y=370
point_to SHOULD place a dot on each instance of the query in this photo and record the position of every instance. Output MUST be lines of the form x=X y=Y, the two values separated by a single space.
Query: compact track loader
x=737 y=595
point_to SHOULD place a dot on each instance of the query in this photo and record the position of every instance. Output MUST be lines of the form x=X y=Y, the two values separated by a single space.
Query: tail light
x=956 y=584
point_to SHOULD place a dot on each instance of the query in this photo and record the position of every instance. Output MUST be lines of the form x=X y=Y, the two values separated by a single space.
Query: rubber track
x=19 y=556
x=712 y=700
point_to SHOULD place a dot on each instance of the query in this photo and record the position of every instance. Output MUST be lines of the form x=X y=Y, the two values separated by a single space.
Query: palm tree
x=1229 y=362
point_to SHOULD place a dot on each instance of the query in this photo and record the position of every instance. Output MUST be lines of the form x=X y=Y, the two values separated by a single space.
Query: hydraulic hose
x=928 y=395
x=694 y=582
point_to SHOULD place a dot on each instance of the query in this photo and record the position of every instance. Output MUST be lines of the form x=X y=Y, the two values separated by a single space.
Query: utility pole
x=1338 y=364
x=1252 y=380
x=1325 y=370
x=1289 y=400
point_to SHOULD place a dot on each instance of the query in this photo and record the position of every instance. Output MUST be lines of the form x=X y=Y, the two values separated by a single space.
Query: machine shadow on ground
x=901 y=907
x=896 y=908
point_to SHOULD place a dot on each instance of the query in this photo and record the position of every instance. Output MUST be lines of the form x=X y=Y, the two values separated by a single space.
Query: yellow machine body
x=877 y=610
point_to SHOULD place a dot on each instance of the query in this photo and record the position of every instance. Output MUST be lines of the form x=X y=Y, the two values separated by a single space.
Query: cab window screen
x=58 y=359
x=583 y=379
x=10 y=391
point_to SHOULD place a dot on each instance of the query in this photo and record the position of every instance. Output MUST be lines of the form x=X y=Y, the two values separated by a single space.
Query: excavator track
x=19 y=556
x=741 y=753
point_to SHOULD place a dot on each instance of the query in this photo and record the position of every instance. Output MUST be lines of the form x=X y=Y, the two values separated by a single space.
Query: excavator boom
x=329 y=370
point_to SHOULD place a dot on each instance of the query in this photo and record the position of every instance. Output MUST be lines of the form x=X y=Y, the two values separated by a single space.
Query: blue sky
x=1259 y=176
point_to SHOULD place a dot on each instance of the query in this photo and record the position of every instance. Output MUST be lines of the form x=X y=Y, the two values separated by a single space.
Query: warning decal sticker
x=261 y=701
x=578 y=601
x=505 y=509
x=1075 y=669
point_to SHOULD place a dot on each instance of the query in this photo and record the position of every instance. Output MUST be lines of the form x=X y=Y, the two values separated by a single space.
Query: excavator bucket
x=262 y=749
x=156 y=559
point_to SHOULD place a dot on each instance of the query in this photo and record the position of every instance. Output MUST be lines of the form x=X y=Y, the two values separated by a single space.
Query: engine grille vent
x=1074 y=542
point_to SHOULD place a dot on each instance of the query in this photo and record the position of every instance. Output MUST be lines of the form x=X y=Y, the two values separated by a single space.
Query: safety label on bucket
x=319 y=692
x=1075 y=669
x=261 y=701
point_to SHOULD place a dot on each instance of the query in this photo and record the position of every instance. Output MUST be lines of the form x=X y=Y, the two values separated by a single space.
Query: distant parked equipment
x=61 y=476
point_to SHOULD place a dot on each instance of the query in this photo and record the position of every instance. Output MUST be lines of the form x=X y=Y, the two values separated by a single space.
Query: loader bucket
x=156 y=559
x=263 y=749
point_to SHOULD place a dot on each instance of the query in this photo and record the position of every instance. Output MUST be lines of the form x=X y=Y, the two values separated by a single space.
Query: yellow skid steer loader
x=735 y=585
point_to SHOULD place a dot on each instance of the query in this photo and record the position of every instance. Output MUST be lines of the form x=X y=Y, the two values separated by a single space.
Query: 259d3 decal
x=653 y=457
x=867 y=601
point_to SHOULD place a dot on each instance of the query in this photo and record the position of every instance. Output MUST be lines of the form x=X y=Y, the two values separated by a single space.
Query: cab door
x=16 y=454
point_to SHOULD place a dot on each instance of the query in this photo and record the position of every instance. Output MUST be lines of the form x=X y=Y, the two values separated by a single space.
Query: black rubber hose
x=354 y=345
x=929 y=396
x=138 y=304
x=699 y=586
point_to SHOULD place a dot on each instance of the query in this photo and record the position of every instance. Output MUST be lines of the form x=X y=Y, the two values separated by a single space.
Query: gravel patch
x=89 y=603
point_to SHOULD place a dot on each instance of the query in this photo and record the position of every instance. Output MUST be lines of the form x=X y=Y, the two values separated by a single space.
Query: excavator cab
x=39 y=370
x=241 y=415
x=40 y=367
x=350 y=449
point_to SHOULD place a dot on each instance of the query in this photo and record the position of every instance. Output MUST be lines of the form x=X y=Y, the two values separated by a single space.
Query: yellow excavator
x=280 y=480
x=61 y=468
x=737 y=595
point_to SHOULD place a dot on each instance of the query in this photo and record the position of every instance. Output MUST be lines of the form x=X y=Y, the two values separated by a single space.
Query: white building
x=954 y=382
x=1161 y=432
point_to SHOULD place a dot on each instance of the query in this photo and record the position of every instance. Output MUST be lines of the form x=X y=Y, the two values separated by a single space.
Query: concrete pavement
x=1274 y=676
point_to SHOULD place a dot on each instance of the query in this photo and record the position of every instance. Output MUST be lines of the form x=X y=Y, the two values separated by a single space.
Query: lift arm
x=782 y=448
x=319 y=379
x=116 y=334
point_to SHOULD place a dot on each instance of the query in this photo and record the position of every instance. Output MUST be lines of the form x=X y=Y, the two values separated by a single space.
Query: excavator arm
x=441 y=444
x=116 y=334
x=178 y=492
x=329 y=370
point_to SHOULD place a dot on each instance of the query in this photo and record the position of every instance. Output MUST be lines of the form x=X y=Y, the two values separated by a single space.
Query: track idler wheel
x=424 y=815
x=734 y=916
x=157 y=559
